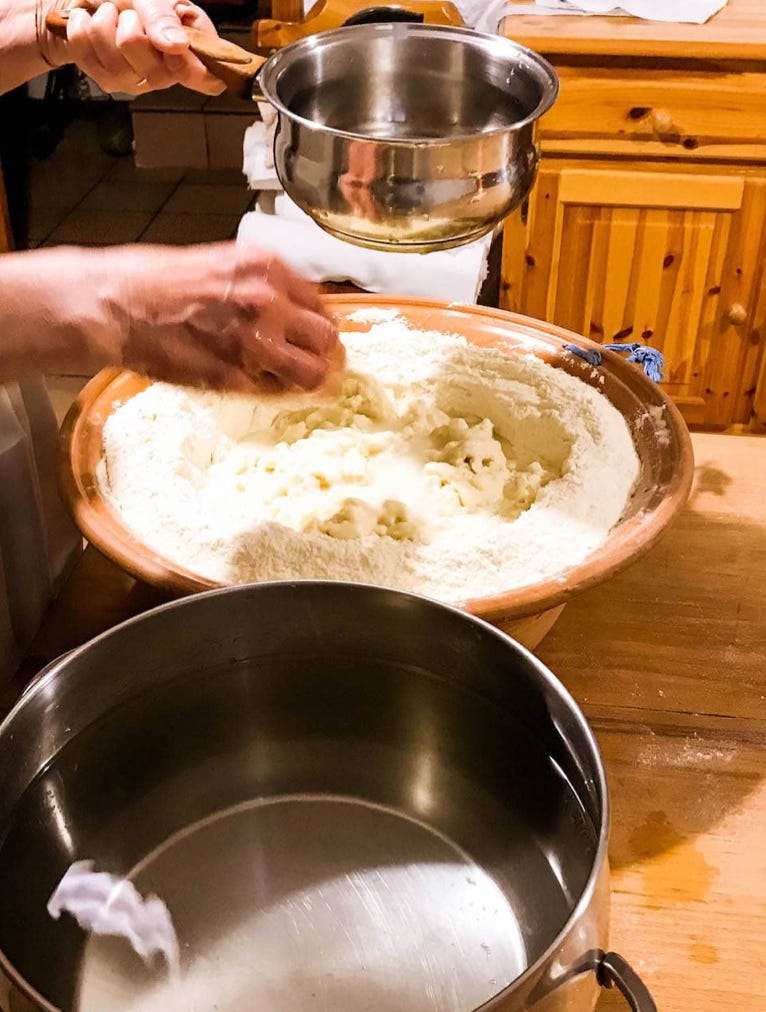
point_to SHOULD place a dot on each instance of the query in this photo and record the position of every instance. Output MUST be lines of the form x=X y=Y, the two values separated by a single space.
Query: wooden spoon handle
x=232 y=64
x=228 y=62
x=56 y=20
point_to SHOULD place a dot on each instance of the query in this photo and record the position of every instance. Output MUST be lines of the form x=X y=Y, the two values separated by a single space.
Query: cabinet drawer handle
x=662 y=122
x=737 y=314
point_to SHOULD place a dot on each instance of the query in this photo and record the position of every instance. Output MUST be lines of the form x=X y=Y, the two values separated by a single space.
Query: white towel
x=486 y=17
x=258 y=164
x=693 y=12
x=455 y=275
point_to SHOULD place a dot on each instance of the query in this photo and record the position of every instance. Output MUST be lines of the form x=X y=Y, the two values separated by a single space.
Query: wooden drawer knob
x=662 y=122
x=737 y=314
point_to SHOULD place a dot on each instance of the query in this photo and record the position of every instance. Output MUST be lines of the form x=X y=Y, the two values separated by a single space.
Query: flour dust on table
x=440 y=467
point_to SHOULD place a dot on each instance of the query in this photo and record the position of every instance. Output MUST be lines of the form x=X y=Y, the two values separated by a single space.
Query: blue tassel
x=650 y=359
x=591 y=357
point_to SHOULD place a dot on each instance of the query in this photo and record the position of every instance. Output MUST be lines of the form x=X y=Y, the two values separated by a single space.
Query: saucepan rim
x=267 y=80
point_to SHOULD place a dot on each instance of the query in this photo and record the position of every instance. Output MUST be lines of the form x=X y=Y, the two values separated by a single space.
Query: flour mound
x=440 y=467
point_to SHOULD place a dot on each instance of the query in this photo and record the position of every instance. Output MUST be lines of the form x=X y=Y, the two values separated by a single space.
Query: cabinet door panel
x=645 y=256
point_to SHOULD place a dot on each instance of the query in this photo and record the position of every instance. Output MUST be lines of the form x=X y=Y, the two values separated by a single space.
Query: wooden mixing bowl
x=528 y=612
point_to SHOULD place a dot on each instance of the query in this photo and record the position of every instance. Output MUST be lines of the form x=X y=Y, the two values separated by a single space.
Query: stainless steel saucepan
x=401 y=136
x=348 y=798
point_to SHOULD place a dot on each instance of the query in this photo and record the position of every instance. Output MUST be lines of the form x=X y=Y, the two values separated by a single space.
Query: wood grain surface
x=326 y=15
x=668 y=660
x=658 y=109
x=671 y=255
x=736 y=32
x=669 y=663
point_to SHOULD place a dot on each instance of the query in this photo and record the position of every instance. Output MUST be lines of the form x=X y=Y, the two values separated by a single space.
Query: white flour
x=443 y=468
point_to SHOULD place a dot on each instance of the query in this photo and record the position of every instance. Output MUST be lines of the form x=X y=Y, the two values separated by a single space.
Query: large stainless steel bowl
x=349 y=798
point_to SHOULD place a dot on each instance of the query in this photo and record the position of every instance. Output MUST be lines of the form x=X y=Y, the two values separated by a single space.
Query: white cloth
x=485 y=17
x=693 y=12
x=103 y=904
x=489 y=19
x=258 y=145
x=37 y=540
x=455 y=275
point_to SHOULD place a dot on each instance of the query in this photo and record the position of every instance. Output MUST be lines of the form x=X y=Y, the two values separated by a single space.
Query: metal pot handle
x=383 y=15
x=614 y=971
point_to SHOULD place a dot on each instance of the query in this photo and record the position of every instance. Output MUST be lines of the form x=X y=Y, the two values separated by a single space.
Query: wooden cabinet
x=670 y=258
x=287 y=10
x=688 y=110
x=648 y=220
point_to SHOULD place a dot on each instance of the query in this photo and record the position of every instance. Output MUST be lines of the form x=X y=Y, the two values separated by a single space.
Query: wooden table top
x=668 y=661
x=737 y=32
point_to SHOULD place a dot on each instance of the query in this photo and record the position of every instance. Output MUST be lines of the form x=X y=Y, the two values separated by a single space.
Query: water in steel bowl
x=370 y=839
x=437 y=109
x=316 y=902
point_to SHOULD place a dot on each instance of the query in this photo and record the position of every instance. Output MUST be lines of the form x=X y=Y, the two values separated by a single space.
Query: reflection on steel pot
x=410 y=137
x=347 y=797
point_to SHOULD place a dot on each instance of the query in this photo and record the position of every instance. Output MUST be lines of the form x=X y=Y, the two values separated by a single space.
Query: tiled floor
x=83 y=196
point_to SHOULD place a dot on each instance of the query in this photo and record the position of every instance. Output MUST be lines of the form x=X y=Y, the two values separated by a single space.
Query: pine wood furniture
x=287 y=23
x=648 y=221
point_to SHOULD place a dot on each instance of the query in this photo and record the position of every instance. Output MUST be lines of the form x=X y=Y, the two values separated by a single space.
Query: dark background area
x=31 y=128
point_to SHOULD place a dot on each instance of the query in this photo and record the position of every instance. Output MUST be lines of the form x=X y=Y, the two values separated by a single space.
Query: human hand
x=219 y=316
x=135 y=46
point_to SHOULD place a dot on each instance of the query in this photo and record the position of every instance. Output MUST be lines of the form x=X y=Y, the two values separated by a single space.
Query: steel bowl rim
x=268 y=79
x=541 y=672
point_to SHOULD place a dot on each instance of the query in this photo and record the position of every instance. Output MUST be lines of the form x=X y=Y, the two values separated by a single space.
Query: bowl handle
x=614 y=971
x=383 y=15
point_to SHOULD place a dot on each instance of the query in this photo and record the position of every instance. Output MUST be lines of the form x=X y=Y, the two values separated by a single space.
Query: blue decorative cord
x=650 y=359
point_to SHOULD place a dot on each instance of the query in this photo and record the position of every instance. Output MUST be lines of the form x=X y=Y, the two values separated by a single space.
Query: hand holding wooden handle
x=236 y=67
x=232 y=64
